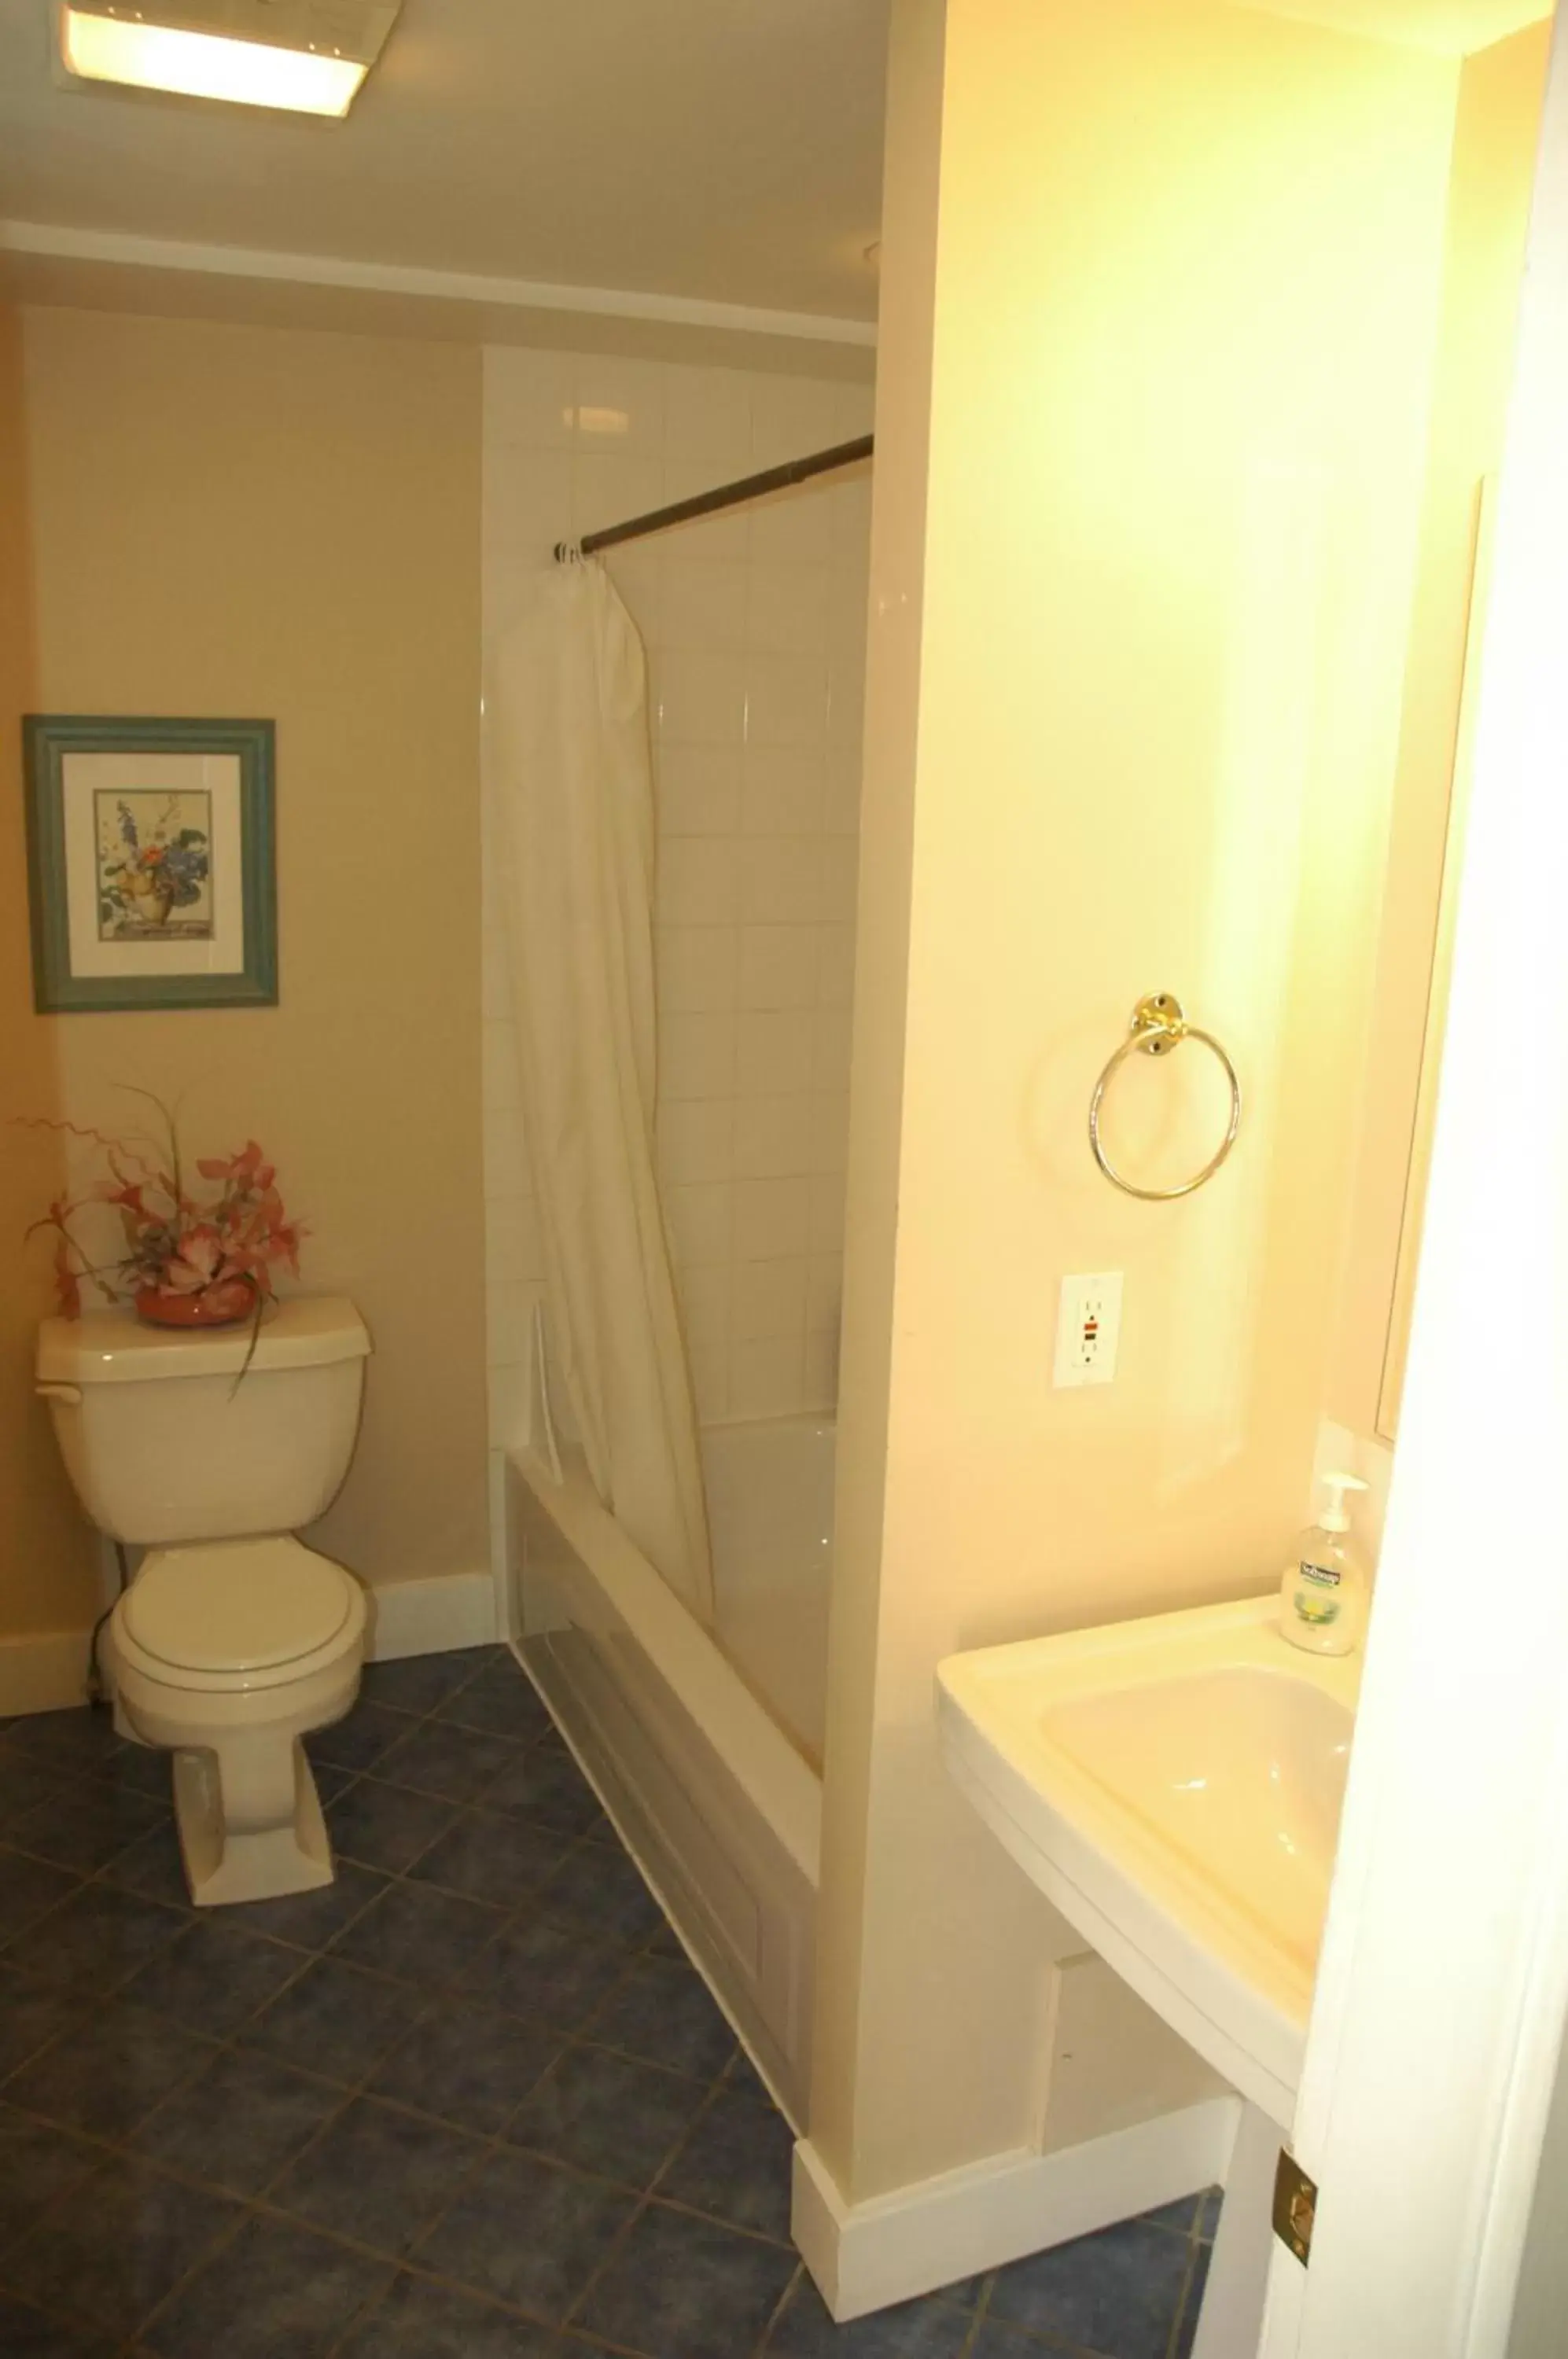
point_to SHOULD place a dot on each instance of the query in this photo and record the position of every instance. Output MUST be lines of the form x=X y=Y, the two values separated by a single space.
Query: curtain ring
x=1158 y=1024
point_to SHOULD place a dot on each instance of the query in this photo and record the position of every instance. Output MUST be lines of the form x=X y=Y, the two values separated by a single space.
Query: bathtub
x=704 y=1748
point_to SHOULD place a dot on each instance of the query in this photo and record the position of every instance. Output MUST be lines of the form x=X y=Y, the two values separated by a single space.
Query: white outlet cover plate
x=1088 y=1328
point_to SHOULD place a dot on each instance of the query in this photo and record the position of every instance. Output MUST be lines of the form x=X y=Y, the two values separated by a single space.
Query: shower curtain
x=572 y=790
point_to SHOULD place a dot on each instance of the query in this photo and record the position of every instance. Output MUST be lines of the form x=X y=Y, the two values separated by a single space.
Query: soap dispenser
x=1323 y=1592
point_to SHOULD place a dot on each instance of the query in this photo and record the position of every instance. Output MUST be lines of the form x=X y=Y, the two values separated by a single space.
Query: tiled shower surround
x=755 y=627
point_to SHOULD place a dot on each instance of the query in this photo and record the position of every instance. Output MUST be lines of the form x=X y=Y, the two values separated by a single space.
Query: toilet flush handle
x=71 y=1394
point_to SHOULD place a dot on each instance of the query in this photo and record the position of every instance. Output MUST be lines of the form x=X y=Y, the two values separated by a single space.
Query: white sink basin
x=1174 y=1786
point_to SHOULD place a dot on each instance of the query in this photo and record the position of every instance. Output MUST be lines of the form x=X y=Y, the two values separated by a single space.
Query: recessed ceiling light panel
x=307 y=57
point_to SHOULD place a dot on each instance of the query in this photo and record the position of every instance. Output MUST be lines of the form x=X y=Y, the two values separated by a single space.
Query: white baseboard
x=433 y=1616
x=866 y=2256
x=43 y=1673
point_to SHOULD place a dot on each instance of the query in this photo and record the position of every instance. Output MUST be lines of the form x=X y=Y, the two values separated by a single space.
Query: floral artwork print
x=155 y=867
x=152 y=870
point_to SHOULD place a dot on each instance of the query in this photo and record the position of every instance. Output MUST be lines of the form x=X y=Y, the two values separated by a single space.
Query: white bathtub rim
x=775 y=1778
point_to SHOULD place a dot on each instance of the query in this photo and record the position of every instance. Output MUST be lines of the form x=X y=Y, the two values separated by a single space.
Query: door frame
x=1442 y=1990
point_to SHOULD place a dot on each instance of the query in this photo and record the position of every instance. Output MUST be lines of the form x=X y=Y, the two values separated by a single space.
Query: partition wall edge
x=1437 y=2026
x=905 y=333
x=1144 y=539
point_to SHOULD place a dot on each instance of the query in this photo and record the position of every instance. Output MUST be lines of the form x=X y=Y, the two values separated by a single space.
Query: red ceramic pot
x=225 y=1304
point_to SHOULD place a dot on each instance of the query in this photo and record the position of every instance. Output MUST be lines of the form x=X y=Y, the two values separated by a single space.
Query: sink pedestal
x=1173 y=1786
x=1230 y=2321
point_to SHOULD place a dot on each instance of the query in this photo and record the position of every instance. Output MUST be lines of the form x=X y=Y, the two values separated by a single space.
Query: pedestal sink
x=1174 y=1786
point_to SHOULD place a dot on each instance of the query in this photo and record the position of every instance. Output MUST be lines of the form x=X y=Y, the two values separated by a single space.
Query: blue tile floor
x=469 y=2103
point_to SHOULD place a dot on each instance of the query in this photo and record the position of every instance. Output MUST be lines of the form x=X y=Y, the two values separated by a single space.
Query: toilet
x=233 y=1640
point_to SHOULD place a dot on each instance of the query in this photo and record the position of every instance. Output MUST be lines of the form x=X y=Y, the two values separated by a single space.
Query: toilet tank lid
x=114 y=1347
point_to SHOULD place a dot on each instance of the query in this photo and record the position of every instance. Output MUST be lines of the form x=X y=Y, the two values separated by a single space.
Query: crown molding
x=118 y=250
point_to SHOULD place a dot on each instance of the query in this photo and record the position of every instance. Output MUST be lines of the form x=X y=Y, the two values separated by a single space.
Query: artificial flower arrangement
x=191 y=1258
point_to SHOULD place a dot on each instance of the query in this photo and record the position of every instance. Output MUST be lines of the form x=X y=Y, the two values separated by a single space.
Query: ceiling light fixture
x=306 y=57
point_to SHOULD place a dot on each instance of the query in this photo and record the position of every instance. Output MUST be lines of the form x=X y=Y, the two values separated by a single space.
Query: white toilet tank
x=163 y=1446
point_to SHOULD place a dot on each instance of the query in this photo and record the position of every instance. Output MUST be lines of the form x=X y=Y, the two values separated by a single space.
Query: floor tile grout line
x=262 y=2203
x=1047 y=2338
x=1196 y=2249
x=574 y=1838
x=650 y=2195
x=237 y=2038
x=95 y=1777
x=333 y=1947
x=503 y=2142
x=504 y=1915
x=258 y=2203
x=759 y=2348
x=1050 y=2342
x=124 y=2150
x=121 y=2149
x=982 y=2312
x=492 y=2147
x=621 y=2237
x=219 y=2243
x=574 y=1843
x=445 y=1990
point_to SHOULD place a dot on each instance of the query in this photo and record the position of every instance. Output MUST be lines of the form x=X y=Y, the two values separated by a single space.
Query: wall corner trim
x=64 y=241
x=919 y=2238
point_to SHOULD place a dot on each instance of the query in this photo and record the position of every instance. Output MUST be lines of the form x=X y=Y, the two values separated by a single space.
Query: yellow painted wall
x=1182 y=302
x=1500 y=94
x=230 y=520
x=47 y=1558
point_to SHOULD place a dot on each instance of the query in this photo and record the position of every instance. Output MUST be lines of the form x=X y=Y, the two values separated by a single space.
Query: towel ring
x=1158 y=1024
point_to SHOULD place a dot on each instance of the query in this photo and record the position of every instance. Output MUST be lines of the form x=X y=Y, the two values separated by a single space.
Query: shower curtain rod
x=728 y=495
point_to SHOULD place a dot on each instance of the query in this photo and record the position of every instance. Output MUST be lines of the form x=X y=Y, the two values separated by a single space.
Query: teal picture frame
x=49 y=741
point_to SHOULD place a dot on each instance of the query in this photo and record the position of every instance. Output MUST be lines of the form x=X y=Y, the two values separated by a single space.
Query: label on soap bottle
x=1317 y=1599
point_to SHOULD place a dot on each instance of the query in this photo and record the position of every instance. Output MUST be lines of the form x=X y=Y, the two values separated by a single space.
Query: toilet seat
x=237 y=1616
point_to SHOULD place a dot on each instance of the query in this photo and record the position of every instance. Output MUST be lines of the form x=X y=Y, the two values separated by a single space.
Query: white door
x=1433 y=2047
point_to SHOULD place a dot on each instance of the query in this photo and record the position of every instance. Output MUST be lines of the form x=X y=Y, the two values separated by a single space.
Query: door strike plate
x=1295 y=2207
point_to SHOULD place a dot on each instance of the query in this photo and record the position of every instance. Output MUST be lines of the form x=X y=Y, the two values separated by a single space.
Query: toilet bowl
x=233 y=1640
x=228 y=1655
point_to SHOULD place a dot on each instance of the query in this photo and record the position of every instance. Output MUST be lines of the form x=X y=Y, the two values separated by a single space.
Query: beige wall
x=46 y=1550
x=1181 y=310
x=236 y=521
x=1498 y=118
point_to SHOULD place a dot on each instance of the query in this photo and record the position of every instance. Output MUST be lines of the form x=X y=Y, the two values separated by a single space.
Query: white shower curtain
x=572 y=790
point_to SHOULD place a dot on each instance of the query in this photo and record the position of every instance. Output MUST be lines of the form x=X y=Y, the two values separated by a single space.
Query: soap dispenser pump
x=1324 y=1589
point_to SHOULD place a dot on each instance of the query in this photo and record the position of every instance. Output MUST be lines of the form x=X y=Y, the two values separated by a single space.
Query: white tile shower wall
x=755 y=624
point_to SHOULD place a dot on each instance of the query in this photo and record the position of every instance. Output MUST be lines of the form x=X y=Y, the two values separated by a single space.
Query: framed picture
x=150 y=861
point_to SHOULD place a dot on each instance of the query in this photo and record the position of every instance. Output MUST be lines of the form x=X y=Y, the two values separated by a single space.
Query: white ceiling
x=725 y=150
x=696 y=176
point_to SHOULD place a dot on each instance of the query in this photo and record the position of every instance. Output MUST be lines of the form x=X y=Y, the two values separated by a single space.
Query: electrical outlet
x=1088 y=1328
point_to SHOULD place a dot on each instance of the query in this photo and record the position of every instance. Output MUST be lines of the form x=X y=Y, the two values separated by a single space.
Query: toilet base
x=245 y=1803
x=223 y=1864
